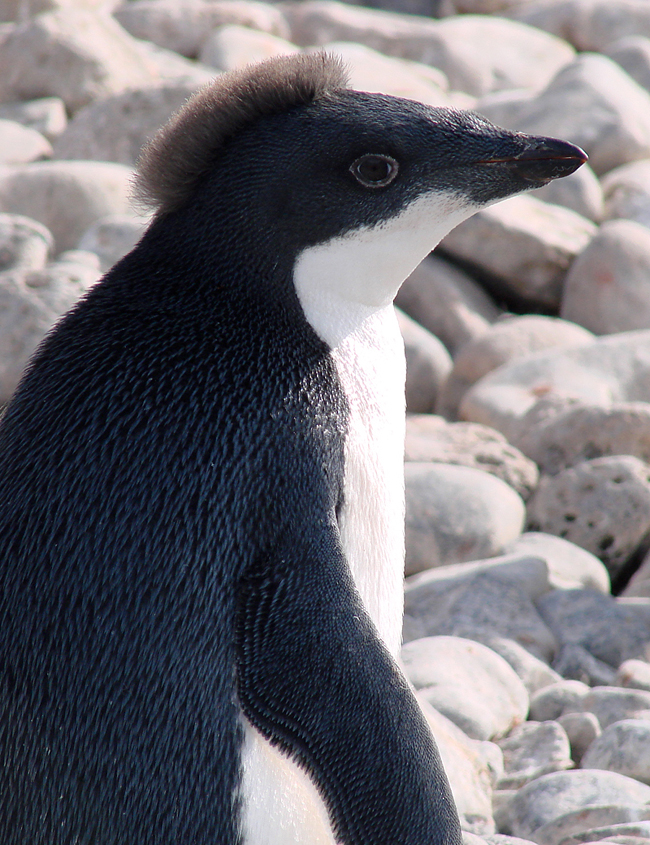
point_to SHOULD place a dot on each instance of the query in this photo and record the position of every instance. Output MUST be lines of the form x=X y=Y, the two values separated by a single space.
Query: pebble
x=634 y=674
x=575 y=662
x=569 y=566
x=24 y=243
x=580 y=192
x=467 y=682
x=111 y=237
x=427 y=366
x=639 y=584
x=457 y=513
x=46 y=115
x=607 y=289
x=531 y=750
x=525 y=244
x=447 y=302
x=586 y=820
x=623 y=747
x=19 y=144
x=613 y=704
x=632 y=53
x=581 y=729
x=551 y=702
x=432 y=438
x=626 y=192
x=234 y=46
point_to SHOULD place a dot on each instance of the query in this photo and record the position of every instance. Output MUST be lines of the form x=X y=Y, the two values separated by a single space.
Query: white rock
x=447 y=302
x=627 y=191
x=612 y=630
x=580 y=192
x=111 y=237
x=21 y=10
x=233 y=46
x=531 y=750
x=623 y=747
x=551 y=796
x=533 y=672
x=632 y=53
x=456 y=513
x=115 y=128
x=569 y=566
x=634 y=674
x=602 y=506
x=468 y=683
x=24 y=243
x=526 y=244
x=171 y=67
x=506 y=340
x=551 y=702
x=609 y=370
x=576 y=663
x=19 y=145
x=82 y=55
x=427 y=365
x=639 y=584
x=613 y=704
x=581 y=729
x=46 y=115
x=607 y=289
x=431 y=438
x=478 y=7
x=66 y=196
x=585 y=821
x=184 y=25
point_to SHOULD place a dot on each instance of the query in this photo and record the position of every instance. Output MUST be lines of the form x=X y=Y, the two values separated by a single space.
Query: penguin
x=201 y=484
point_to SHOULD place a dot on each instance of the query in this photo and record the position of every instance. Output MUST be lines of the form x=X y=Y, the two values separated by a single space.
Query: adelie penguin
x=201 y=505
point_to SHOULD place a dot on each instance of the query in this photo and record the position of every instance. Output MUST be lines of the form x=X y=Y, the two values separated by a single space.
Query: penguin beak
x=542 y=159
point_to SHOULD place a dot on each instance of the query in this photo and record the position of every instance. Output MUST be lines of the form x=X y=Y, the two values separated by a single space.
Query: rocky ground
x=528 y=347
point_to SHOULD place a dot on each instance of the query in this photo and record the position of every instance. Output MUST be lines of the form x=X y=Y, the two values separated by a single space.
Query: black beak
x=542 y=159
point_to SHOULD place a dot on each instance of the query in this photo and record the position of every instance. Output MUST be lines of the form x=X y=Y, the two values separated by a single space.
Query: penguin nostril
x=374 y=170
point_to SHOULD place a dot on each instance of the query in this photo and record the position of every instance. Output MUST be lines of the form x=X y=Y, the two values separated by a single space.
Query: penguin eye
x=374 y=170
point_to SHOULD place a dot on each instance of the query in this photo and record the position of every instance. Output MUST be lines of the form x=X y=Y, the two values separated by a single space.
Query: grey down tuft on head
x=174 y=161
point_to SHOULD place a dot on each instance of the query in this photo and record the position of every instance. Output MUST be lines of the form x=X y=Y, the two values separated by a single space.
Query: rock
x=588 y=25
x=607 y=289
x=66 y=196
x=588 y=819
x=427 y=365
x=580 y=192
x=447 y=302
x=46 y=115
x=636 y=833
x=493 y=602
x=551 y=702
x=627 y=192
x=607 y=628
x=115 y=128
x=531 y=750
x=632 y=53
x=574 y=662
x=602 y=505
x=111 y=237
x=583 y=432
x=551 y=796
x=525 y=244
x=507 y=340
x=610 y=370
x=234 y=46
x=19 y=145
x=476 y=7
x=634 y=674
x=595 y=104
x=468 y=683
x=639 y=584
x=623 y=747
x=581 y=729
x=467 y=767
x=24 y=243
x=613 y=704
x=533 y=672
x=456 y=513
x=431 y=438
x=173 y=68
x=184 y=25
x=569 y=566
x=82 y=55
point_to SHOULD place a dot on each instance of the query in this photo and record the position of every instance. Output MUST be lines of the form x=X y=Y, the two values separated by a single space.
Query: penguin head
x=356 y=187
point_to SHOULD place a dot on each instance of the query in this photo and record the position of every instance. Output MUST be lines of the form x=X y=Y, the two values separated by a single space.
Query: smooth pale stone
x=184 y=25
x=432 y=438
x=66 y=196
x=24 y=243
x=493 y=602
x=590 y=25
x=111 y=237
x=46 y=115
x=546 y=799
x=82 y=55
x=569 y=566
x=534 y=673
x=115 y=128
x=447 y=302
x=634 y=674
x=602 y=505
x=613 y=704
x=19 y=145
x=580 y=192
x=611 y=369
x=172 y=68
x=623 y=747
x=607 y=289
x=551 y=701
x=581 y=729
x=575 y=662
x=507 y=340
x=587 y=819
x=456 y=513
x=468 y=683
x=627 y=191
x=613 y=630
x=427 y=366
x=632 y=53
x=527 y=246
x=531 y=750
x=234 y=46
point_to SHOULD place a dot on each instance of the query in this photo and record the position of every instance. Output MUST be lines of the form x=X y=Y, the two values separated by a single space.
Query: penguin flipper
x=316 y=681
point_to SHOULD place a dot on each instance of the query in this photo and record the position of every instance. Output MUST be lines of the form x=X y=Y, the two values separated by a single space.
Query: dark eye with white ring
x=374 y=170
